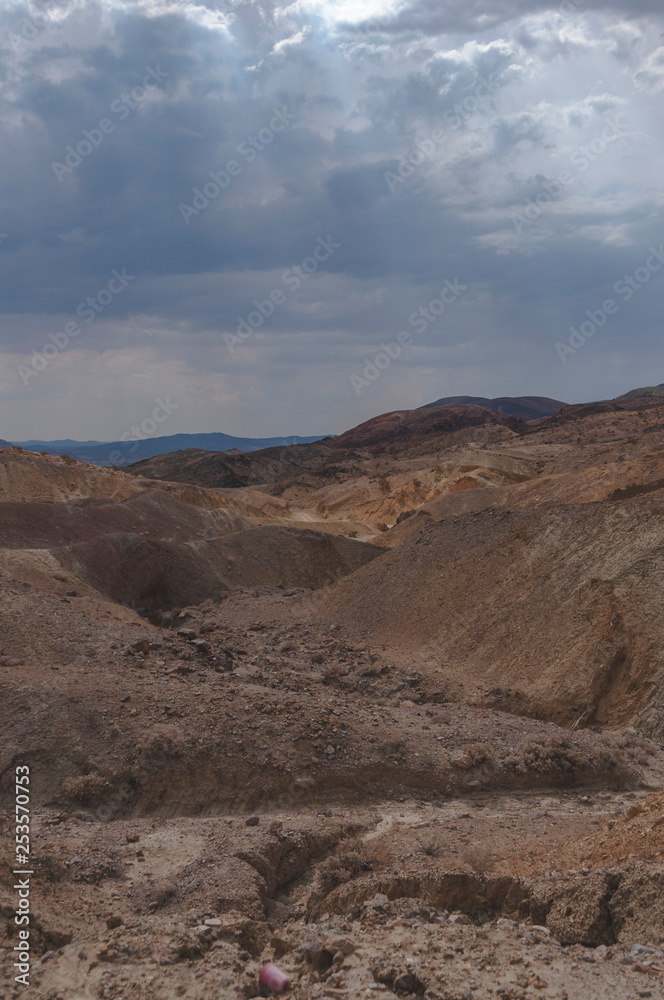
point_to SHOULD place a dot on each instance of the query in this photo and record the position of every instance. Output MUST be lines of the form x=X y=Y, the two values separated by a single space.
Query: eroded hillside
x=424 y=760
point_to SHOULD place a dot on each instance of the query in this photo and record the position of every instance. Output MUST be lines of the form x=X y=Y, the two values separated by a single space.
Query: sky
x=271 y=218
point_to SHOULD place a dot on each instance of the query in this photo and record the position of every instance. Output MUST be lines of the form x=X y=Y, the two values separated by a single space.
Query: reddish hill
x=620 y=405
x=406 y=428
x=525 y=407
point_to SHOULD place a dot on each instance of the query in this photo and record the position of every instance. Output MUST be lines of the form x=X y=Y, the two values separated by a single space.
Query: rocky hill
x=425 y=760
x=646 y=390
x=524 y=407
x=393 y=432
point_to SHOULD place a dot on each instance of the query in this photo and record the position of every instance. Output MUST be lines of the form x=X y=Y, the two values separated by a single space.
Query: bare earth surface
x=425 y=760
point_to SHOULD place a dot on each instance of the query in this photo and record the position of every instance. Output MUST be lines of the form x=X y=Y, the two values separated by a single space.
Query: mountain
x=525 y=407
x=121 y=453
x=646 y=390
x=408 y=428
x=621 y=404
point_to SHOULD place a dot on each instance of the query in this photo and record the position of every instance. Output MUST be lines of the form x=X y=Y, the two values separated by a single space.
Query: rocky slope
x=425 y=765
x=151 y=546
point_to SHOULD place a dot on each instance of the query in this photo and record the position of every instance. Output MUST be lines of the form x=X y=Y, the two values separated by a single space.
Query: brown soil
x=422 y=761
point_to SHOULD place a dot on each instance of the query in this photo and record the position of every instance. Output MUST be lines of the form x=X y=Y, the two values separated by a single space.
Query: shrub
x=85 y=788
x=345 y=864
x=431 y=847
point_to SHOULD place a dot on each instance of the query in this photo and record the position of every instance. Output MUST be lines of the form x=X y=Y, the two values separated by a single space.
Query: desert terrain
x=405 y=729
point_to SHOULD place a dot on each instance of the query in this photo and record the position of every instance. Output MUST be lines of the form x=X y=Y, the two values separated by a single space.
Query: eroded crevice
x=586 y=908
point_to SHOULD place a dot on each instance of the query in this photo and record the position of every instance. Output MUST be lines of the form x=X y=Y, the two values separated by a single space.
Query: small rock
x=202 y=646
x=408 y=982
x=179 y=668
x=280 y=946
x=404 y=515
x=253 y=820
x=337 y=942
x=318 y=959
x=644 y=949
x=113 y=921
x=377 y=902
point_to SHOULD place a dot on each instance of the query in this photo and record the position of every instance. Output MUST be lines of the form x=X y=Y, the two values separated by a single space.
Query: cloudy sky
x=512 y=148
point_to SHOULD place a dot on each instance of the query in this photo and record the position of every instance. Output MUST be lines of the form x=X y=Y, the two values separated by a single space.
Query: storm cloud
x=208 y=148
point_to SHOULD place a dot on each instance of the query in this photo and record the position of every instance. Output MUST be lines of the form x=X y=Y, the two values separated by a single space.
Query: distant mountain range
x=525 y=407
x=123 y=453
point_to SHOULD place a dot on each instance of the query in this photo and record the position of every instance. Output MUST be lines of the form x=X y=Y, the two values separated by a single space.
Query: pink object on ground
x=274 y=978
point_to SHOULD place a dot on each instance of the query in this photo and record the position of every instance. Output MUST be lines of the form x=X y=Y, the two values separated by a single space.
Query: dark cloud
x=416 y=141
x=437 y=17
